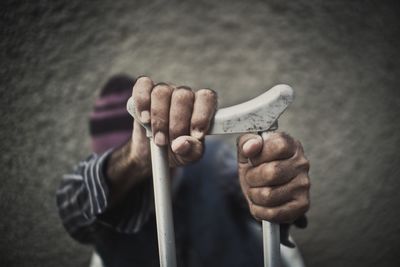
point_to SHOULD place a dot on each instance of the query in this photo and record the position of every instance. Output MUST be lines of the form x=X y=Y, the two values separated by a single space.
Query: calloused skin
x=273 y=170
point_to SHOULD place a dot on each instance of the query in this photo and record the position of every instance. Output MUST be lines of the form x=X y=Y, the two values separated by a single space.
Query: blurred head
x=110 y=124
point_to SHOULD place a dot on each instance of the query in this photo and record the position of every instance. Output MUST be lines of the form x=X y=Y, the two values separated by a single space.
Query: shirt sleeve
x=83 y=199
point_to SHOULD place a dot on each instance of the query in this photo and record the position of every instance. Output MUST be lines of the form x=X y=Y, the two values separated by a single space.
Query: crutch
x=258 y=115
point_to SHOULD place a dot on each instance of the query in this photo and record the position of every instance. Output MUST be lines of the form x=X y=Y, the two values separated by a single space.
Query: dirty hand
x=179 y=118
x=274 y=177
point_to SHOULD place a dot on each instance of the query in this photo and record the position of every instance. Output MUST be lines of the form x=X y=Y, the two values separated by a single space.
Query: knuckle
x=271 y=172
x=282 y=144
x=161 y=90
x=181 y=95
x=266 y=194
x=305 y=183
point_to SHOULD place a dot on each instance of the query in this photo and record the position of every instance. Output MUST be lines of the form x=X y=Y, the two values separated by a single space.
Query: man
x=217 y=199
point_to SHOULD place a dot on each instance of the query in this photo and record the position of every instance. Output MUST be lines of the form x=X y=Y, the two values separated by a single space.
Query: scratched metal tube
x=163 y=205
x=271 y=240
x=271 y=231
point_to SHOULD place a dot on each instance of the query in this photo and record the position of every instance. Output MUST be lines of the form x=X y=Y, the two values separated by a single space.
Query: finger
x=277 y=172
x=271 y=173
x=286 y=213
x=272 y=196
x=205 y=105
x=302 y=163
x=248 y=145
x=180 y=112
x=160 y=105
x=141 y=94
x=301 y=186
x=187 y=149
x=277 y=146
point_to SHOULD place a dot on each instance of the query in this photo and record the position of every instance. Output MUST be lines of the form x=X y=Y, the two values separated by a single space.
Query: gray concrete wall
x=342 y=58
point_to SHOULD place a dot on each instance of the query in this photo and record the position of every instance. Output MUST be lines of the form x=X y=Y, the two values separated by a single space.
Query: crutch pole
x=162 y=195
x=163 y=205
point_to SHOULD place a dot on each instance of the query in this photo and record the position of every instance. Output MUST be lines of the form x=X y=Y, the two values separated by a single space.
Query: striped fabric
x=83 y=199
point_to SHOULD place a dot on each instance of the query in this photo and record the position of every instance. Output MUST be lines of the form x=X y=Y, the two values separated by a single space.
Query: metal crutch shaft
x=271 y=232
x=163 y=205
x=271 y=240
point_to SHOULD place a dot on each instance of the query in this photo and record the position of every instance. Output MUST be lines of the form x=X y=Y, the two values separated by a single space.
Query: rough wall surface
x=342 y=58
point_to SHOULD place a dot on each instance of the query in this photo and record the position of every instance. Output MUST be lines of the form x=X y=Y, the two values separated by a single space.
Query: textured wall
x=342 y=59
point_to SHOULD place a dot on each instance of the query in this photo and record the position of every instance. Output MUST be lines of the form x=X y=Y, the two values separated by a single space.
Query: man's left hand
x=273 y=174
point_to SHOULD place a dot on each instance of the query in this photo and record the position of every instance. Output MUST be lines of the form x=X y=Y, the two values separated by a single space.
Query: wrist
x=124 y=169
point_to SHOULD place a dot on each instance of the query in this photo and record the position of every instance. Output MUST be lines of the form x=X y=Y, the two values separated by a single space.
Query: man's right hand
x=179 y=118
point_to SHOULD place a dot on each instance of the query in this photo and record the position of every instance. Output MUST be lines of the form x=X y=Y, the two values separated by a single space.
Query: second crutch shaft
x=271 y=240
x=271 y=231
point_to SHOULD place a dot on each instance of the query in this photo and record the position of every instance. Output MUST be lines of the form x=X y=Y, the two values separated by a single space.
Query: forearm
x=123 y=171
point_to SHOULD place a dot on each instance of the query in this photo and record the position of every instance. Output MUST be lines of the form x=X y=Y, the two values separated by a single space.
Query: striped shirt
x=83 y=198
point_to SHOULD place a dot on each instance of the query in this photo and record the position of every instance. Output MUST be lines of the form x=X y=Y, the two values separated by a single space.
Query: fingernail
x=196 y=133
x=160 y=139
x=145 y=116
x=180 y=146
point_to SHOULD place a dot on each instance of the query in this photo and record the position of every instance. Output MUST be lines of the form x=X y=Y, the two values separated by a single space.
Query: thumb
x=248 y=146
x=187 y=149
